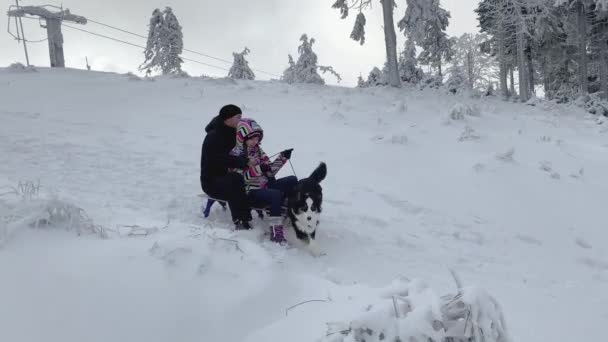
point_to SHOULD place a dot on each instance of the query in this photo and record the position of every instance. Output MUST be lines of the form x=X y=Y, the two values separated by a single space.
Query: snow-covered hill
x=511 y=197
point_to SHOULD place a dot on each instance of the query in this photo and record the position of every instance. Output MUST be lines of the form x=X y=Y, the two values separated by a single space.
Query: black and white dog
x=304 y=206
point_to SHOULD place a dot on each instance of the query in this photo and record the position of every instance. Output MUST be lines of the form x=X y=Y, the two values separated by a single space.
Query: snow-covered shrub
x=374 y=79
x=455 y=83
x=132 y=77
x=593 y=104
x=412 y=311
x=460 y=110
x=433 y=82
x=18 y=67
x=22 y=207
x=468 y=134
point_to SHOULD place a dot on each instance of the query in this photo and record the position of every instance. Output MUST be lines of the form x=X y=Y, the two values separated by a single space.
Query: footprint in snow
x=529 y=239
x=596 y=264
x=583 y=244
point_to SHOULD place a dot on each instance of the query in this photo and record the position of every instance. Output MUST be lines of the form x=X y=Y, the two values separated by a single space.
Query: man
x=216 y=181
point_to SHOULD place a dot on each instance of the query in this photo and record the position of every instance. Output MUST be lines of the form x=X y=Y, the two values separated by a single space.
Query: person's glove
x=265 y=168
x=287 y=153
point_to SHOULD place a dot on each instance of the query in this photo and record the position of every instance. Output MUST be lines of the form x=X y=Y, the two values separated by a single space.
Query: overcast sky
x=270 y=28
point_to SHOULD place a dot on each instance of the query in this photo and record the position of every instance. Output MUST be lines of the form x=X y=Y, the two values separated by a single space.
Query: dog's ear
x=319 y=174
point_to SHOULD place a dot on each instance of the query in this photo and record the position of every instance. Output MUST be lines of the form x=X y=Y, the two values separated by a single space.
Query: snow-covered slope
x=512 y=198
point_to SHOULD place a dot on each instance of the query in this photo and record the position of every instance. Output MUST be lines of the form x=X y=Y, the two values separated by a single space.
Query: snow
x=406 y=196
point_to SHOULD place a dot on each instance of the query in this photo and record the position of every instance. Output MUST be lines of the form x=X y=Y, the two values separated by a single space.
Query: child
x=259 y=177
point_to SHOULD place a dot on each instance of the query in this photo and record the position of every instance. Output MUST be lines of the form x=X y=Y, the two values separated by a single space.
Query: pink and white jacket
x=255 y=178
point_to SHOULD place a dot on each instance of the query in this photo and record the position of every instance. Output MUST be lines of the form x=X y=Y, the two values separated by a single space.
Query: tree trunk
x=582 y=47
x=470 y=69
x=390 y=39
x=440 y=72
x=512 y=76
x=531 y=71
x=502 y=67
x=524 y=94
x=545 y=75
x=604 y=68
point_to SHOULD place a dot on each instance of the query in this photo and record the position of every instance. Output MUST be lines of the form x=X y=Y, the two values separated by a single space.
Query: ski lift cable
x=187 y=50
x=136 y=45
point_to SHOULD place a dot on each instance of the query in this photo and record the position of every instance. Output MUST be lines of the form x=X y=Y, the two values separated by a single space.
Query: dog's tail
x=319 y=174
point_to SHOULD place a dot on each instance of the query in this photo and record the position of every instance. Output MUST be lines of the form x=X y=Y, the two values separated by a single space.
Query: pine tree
x=375 y=78
x=289 y=75
x=425 y=21
x=173 y=43
x=240 y=67
x=153 y=46
x=599 y=46
x=306 y=66
x=305 y=69
x=408 y=64
x=361 y=82
x=165 y=43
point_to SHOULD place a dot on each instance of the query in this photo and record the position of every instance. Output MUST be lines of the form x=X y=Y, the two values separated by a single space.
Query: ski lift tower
x=53 y=27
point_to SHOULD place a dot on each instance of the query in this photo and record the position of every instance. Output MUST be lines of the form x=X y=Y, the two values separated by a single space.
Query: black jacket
x=215 y=158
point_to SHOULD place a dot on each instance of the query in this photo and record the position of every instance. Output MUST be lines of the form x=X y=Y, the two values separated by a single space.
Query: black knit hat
x=229 y=111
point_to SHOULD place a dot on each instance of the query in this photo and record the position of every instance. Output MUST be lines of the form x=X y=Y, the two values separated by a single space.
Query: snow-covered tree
x=165 y=43
x=358 y=32
x=457 y=80
x=306 y=65
x=173 y=40
x=425 y=21
x=478 y=68
x=360 y=82
x=408 y=64
x=289 y=75
x=305 y=69
x=375 y=78
x=152 y=52
x=546 y=40
x=240 y=69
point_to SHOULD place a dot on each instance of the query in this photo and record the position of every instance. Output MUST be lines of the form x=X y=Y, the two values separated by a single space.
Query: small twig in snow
x=395 y=307
x=236 y=243
x=466 y=322
x=308 y=301
x=457 y=280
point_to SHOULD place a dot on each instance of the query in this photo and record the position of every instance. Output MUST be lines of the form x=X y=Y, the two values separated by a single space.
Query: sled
x=260 y=210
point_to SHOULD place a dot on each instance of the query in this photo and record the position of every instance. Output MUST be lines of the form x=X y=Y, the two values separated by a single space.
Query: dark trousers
x=275 y=194
x=230 y=188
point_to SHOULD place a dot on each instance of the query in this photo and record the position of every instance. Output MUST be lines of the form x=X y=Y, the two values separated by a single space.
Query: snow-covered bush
x=468 y=134
x=411 y=311
x=456 y=82
x=18 y=67
x=460 y=110
x=593 y=104
x=22 y=207
x=434 y=82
